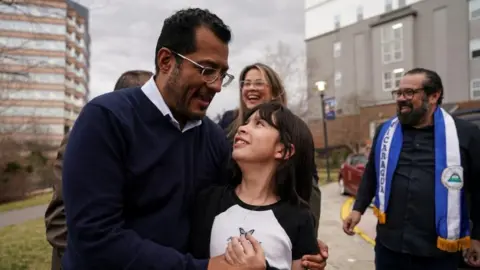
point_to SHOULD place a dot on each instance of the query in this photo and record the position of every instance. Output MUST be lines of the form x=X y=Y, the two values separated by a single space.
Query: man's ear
x=164 y=60
x=284 y=153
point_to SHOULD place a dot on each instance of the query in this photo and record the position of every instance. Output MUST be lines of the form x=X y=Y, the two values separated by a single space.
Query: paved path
x=22 y=215
x=346 y=252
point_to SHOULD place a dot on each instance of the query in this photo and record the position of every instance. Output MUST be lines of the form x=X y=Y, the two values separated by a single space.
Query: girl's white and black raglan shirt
x=285 y=231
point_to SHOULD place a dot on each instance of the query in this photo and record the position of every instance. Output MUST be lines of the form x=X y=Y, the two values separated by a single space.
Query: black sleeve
x=315 y=198
x=305 y=242
x=474 y=174
x=207 y=206
x=368 y=185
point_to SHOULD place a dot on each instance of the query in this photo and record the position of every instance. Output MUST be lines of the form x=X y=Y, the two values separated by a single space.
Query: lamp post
x=321 y=87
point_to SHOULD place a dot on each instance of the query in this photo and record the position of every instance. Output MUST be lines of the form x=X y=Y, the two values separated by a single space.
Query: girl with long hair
x=268 y=195
x=259 y=83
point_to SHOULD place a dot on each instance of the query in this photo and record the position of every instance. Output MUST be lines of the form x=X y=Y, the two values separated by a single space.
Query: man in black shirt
x=421 y=163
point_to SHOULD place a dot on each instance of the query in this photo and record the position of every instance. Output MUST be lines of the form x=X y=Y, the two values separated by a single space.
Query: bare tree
x=291 y=66
x=349 y=127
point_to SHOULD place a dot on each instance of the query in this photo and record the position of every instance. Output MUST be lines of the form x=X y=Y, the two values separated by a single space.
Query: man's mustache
x=401 y=104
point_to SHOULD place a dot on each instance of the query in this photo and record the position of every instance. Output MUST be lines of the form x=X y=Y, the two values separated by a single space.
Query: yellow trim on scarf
x=382 y=217
x=453 y=245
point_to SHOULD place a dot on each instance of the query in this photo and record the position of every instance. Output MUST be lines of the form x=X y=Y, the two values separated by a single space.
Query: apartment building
x=44 y=68
x=362 y=49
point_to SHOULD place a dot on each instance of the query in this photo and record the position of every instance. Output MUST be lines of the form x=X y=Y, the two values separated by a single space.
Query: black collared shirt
x=410 y=226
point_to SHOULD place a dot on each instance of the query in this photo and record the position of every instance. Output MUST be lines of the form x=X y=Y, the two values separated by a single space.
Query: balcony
x=80 y=88
x=80 y=28
x=78 y=103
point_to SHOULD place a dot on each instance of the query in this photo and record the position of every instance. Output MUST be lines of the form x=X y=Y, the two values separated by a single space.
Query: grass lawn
x=24 y=247
x=322 y=174
x=32 y=201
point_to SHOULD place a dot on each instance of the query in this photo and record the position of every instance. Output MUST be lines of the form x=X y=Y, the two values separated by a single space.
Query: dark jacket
x=55 y=222
x=410 y=225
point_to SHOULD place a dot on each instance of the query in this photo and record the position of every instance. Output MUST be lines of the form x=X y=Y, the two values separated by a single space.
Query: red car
x=350 y=174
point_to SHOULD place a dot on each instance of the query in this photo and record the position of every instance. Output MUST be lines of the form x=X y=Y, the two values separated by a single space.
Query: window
x=23 y=43
x=474 y=9
x=337 y=49
x=391 y=79
x=388 y=5
x=33 y=27
x=387 y=81
x=402 y=3
x=392 y=43
x=359 y=13
x=474 y=48
x=475 y=89
x=397 y=76
x=338 y=79
x=33 y=10
x=336 y=21
x=33 y=94
x=31 y=111
x=32 y=61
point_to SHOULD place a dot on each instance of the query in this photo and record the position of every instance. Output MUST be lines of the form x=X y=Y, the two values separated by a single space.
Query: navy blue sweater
x=129 y=179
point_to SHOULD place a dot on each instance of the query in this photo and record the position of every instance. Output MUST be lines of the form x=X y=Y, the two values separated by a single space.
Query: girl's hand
x=245 y=251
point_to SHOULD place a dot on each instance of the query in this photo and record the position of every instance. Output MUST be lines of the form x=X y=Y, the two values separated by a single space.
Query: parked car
x=350 y=174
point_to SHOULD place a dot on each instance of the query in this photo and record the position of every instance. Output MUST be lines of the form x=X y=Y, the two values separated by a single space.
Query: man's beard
x=415 y=116
x=179 y=92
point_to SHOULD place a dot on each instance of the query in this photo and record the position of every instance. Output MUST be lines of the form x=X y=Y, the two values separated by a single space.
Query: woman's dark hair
x=293 y=178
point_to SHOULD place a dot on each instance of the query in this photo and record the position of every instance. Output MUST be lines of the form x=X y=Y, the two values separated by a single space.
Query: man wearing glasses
x=422 y=165
x=136 y=157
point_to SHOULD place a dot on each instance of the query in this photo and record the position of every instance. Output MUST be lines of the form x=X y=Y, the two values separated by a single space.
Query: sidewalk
x=22 y=215
x=345 y=252
x=367 y=226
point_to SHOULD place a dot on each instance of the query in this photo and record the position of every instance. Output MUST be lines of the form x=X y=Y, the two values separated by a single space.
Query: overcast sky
x=124 y=35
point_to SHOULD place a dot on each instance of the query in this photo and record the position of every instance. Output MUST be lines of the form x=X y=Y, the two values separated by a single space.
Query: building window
x=336 y=21
x=474 y=9
x=397 y=76
x=33 y=27
x=31 y=111
x=475 y=89
x=338 y=79
x=392 y=43
x=474 y=48
x=387 y=81
x=36 y=44
x=337 y=49
x=359 y=13
x=391 y=79
x=32 y=61
x=33 y=10
x=402 y=3
x=388 y=5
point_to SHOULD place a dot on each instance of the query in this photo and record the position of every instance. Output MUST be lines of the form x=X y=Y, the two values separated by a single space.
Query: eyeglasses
x=209 y=75
x=255 y=84
x=407 y=93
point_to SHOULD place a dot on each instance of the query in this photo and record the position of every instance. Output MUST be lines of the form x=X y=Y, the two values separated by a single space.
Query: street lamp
x=321 y=87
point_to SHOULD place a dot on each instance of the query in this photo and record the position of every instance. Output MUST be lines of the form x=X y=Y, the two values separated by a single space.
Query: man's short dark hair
x=132 y=78
x=432 y=82
x=178 y=31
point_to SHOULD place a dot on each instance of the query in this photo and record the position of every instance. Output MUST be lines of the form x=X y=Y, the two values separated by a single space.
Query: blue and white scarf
x=451 y=215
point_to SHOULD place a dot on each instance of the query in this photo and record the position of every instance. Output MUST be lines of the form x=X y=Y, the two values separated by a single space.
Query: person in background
x=259 y=83
x=55 y=221
x=422 y=165
x=267 y=197
x=137 y=157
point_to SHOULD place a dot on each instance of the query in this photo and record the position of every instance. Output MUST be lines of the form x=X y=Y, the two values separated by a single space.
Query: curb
x=345 y=211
